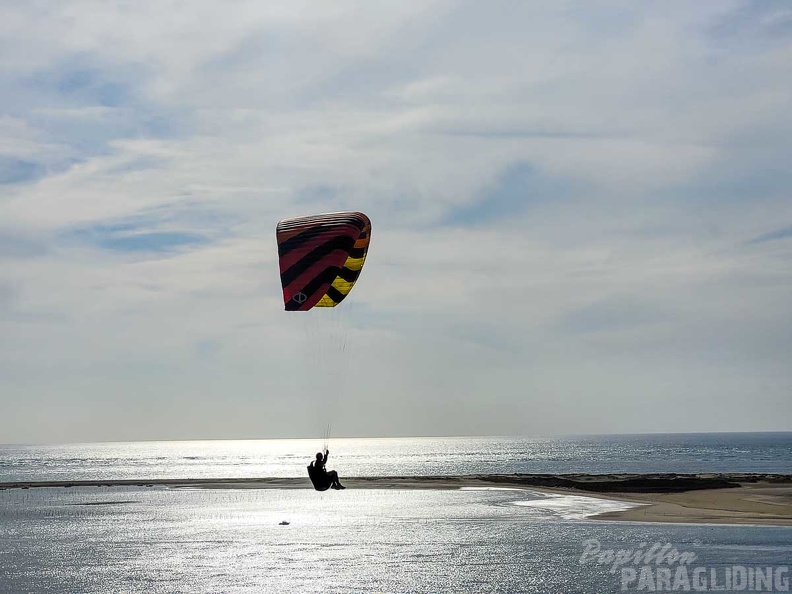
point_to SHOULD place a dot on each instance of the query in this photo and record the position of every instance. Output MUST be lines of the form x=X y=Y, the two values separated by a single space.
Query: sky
x=581 y=217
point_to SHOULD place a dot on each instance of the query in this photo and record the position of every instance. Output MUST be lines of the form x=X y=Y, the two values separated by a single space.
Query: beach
x=750 y=503
x=713 y=498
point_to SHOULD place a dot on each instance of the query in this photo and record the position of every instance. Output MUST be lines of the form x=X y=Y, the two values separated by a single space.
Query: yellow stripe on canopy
x=354 y=263
x=325 y=301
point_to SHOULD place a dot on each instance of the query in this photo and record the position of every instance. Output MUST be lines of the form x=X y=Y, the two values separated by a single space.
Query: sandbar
x=716 y=498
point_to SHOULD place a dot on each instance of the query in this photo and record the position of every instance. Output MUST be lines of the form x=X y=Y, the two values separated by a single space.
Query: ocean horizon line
x=548 y=436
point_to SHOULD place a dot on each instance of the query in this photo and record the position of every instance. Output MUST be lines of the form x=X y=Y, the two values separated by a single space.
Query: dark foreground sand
x=694 y=498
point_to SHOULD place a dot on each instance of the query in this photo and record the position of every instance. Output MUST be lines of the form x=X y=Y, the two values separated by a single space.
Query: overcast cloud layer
x=582 y=217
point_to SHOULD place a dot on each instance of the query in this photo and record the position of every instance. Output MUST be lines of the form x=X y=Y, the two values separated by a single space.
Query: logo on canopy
x=300 y=297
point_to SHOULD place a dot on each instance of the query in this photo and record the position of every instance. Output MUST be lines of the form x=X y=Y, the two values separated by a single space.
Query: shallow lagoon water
x=137 y=539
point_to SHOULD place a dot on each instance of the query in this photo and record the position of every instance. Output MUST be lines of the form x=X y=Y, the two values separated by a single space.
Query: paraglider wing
x=321 y=257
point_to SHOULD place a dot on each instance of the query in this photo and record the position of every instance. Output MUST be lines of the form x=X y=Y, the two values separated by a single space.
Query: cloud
x=778 y=234
x=14 y=244
x=563 y=201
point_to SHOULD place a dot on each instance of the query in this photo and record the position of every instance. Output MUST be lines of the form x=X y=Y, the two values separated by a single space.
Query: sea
x=163 y=539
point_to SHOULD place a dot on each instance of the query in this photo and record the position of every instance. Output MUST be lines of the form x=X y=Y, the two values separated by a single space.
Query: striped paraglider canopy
x=321 y=257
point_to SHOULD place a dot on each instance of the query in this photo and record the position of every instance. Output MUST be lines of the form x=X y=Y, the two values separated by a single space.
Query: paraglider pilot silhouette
x=321 y=478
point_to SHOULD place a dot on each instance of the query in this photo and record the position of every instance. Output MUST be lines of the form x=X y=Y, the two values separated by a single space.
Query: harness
x=320 y=480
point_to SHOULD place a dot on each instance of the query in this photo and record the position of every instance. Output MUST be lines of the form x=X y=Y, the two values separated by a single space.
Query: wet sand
x=690 y=498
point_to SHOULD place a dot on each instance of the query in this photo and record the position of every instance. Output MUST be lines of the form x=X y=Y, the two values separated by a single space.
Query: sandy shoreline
x=753 y=503
x=691 y=498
